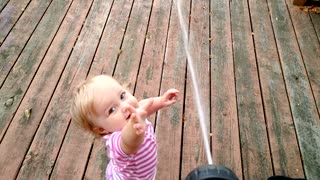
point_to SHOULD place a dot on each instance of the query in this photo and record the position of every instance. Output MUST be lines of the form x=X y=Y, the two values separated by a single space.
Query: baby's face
x=111 y=105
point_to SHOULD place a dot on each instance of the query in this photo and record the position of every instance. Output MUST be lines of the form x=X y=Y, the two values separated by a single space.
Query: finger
x=134 y=118
x=175 y=91
x=173 y=96
x=138 y=128
x=172 y=93
x=130 y=109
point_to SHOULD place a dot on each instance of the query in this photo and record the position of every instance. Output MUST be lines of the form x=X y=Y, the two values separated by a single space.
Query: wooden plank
x=27 y=64
x=169 y=121
x=316 y=23
x=3 y=4
x=133 y=43
x=285 y=152
x=17 y=39
x=18 y=81
x=148 y=83
x=303 y=107
x=105 y=62
x=56 y=120
x=224 y=119
x=14 y=84
x=107 y=53
x=10 y=15
x=193 y=149
x=149 y=78
x=46 y=142
x=255 y=151
x=98 y=161
x=310 y=48
x=68 y=167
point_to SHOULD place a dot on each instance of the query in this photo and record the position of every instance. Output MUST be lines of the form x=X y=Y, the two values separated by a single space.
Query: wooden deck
x=257 y=65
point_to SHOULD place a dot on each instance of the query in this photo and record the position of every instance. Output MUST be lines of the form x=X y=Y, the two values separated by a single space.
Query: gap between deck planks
x=38 y=94
x=19 y=36
x=8 y=18
x=255 y=151
x=302 y=103
x=285 y=153
x=193 y=153
x=224 y=117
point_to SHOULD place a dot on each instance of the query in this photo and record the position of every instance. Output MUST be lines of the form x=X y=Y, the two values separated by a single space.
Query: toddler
x=103 y=107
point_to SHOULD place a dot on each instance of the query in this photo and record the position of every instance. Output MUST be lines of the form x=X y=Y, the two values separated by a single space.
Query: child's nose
x=126 y=109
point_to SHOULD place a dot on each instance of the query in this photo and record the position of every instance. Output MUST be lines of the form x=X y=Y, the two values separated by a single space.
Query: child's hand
x=132 y=135
x=169 y=97
x=152 y=105
x=138 y=117
x=139 y=127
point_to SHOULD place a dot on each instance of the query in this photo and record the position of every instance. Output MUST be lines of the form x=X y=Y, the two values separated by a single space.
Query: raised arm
x=132 y=135
x=167 y=99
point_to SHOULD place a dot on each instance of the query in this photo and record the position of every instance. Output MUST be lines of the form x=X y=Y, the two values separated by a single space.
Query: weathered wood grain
x=303 y=107
x=285 y=152
x=17 y=39
x=193 y=149
x=98 y=161
x=15 y=83
x=255 y=151
x=19 y=79
x=3 y=4
x=72 y=159
x=149 y=77
x=315 y=18
x=224 y=119
x=309 y=47
x=76 y=147
x=169 y=120
x=111 y=41
x=133 y=43
x=9 y=15
x=46 y=143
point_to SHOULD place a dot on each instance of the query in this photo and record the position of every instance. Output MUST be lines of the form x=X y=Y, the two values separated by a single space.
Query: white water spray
x=194 y=83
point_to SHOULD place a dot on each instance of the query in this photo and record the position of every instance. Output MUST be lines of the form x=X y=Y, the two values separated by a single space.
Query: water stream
x=202 y=118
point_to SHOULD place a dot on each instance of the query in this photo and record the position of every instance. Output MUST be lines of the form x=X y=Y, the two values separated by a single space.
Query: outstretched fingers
x=170 y=97
x=136 y=119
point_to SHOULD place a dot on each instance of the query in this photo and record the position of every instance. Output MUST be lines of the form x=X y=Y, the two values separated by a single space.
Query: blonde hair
x=82 y=108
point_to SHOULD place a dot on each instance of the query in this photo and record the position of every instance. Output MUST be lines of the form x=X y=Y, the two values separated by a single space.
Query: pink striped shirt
x=141 y=165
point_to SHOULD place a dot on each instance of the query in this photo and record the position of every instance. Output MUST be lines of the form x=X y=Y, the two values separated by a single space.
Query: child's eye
x=122 y=95
x=111 y=110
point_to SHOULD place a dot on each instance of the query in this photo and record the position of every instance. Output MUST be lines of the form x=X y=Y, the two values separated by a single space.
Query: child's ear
x=100 y=130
